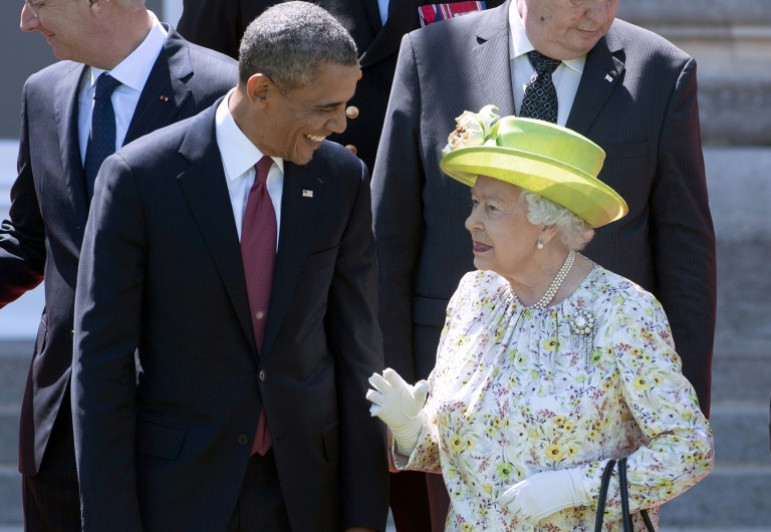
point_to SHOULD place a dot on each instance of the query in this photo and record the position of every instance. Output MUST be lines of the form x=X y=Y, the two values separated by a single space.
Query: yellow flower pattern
x=516 y=392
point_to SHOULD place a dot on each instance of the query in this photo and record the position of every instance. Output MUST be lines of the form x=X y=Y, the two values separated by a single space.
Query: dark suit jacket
x=646 y=119
x=161 y=272
x=49 y=207
x=219 y=24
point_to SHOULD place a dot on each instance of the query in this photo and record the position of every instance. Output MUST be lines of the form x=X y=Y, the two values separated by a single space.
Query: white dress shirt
x=132 y=72
x=239 y=156
x=566 y=77
x=382 y=6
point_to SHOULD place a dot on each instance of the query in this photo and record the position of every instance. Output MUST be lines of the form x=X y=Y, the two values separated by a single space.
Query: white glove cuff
x=576 y=478
x=406 y=436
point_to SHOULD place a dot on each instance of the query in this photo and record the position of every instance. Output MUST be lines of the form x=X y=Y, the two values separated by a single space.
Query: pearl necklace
x=557 y=282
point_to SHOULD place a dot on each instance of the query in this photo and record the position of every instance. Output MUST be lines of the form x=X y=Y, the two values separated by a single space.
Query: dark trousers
x=438 y=501
x=260 y=506
x=51 y=498
x=409 y=501
x=419 y=501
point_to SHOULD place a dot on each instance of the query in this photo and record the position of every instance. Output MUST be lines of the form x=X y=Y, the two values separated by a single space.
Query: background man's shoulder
x=202 y=53
x=640 y=41
x=49 y=77
x=205 y=73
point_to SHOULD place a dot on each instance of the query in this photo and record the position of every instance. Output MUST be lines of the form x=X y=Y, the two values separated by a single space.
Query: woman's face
x=504 y=240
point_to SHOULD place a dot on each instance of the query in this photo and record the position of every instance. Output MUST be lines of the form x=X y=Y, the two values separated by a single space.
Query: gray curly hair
x=572 y=230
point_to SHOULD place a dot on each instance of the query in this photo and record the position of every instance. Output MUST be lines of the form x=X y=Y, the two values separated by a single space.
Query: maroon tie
x=258 y=252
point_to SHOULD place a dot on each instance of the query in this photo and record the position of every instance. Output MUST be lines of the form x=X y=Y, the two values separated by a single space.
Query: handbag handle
x=627 y=516
x=603 y=494
x=624 y=494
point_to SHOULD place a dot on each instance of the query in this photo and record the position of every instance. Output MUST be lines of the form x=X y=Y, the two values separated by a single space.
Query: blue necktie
x=101 y=139
x=540 y=99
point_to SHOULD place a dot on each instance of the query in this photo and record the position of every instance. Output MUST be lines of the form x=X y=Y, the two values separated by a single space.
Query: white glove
x=400 y=407
x=546 y=493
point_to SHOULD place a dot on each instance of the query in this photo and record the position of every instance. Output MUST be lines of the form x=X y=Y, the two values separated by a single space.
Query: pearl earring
x=539 y=245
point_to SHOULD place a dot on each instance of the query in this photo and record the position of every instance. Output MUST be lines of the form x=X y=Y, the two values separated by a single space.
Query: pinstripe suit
x=645 y=116
x=42 y=240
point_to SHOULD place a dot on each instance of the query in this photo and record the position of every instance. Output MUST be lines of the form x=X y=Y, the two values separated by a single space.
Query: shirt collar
x=238 y=153
x=134 y=70
x=519 y=44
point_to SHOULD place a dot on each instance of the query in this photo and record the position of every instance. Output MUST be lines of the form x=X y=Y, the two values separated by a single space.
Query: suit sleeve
x=356 y=343
x=683 y=236
x=107 y=324
x=22 y=235
x=398 y=216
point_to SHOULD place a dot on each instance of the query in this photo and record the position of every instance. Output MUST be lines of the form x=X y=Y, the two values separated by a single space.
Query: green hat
x=549 y=160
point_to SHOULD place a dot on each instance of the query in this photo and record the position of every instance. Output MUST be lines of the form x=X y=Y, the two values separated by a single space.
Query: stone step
x=12 y=348
x=14 y=364
x=741 y=377
x=740 y=371
x=729 y=498
x=9 y=435
x=10 y=498
x=741 y=433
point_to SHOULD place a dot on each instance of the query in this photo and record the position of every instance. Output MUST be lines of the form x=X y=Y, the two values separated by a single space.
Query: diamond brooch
x=582 y=323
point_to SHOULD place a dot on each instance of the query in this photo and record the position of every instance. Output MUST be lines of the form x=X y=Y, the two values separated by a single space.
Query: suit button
x=262 y=376
x=351 y=148
x=242 y=439
x=72 y=333
x=352 y=112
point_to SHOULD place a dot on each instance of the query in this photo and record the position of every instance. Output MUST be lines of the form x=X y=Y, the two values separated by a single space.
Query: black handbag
x=626 y=517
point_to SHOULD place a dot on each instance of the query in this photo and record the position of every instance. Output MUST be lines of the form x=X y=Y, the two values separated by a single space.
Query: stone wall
x=731 y=41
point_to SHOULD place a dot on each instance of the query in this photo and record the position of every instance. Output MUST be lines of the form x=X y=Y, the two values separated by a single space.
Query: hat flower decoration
x=473 y=129
x=548 y=159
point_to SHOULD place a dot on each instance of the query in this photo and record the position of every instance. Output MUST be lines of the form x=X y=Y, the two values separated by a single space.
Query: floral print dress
x=516 y=391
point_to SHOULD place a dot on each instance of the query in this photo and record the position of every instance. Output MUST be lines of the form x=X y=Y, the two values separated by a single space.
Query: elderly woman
x=549 y=365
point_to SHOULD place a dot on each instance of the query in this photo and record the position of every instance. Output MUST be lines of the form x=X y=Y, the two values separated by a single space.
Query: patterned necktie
x=540 y=99
x=101 y=138
x=258 y=253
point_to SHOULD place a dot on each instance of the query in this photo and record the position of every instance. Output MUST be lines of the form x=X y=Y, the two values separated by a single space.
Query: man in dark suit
x=164 y=78
x=235 y=415
x=219 y=24
x=625 y=88
x=378 y=28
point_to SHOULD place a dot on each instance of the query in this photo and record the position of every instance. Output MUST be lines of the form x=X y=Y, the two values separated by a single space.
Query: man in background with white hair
x=122 y=74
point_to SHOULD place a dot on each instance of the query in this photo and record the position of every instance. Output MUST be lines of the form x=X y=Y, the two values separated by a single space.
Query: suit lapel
x=372 y=11
x=491 y=57
x=165 y=91
x=303 y=190
x=402 y=19
x=66 y=104
x=602 y=73
x=203 y=186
